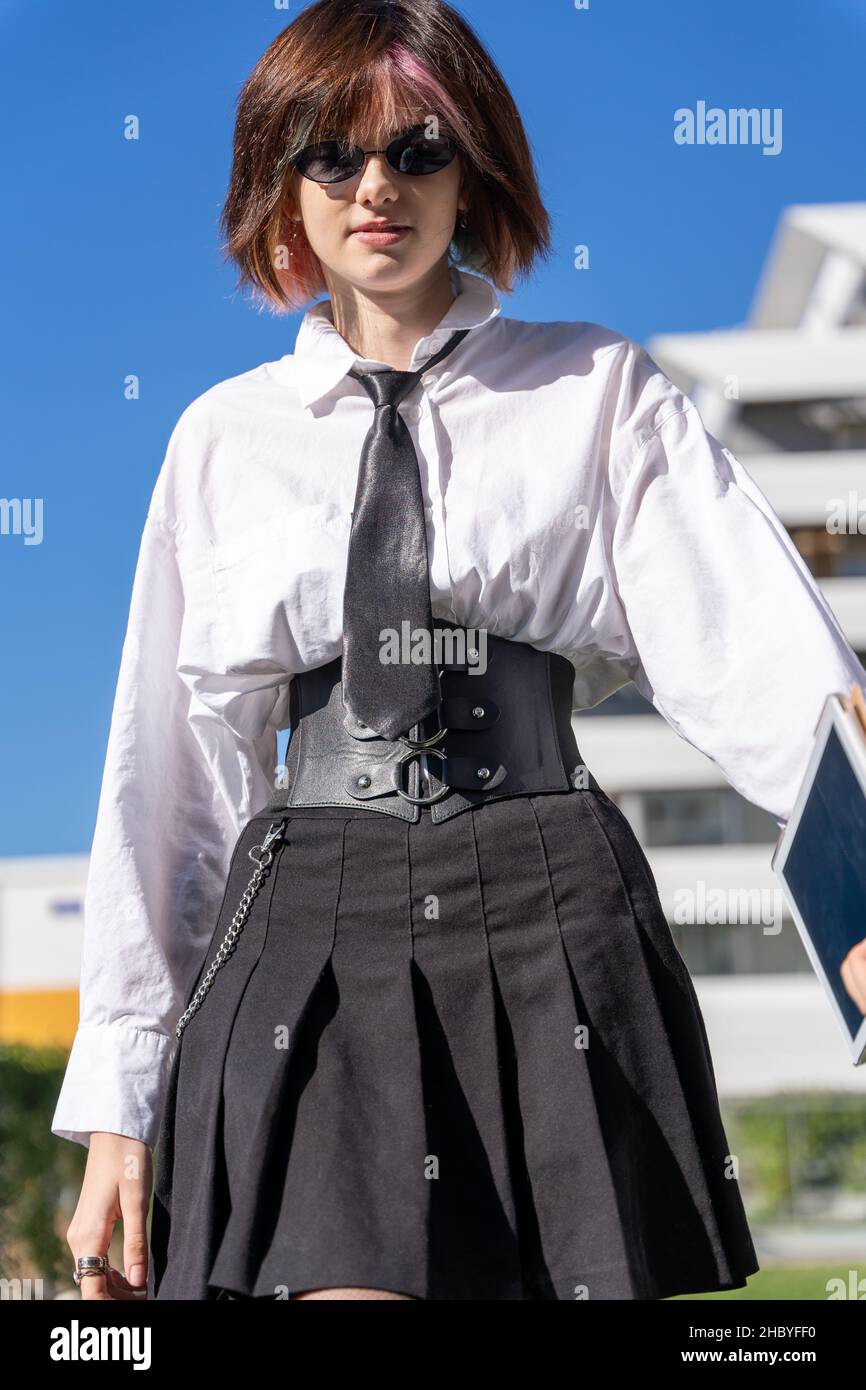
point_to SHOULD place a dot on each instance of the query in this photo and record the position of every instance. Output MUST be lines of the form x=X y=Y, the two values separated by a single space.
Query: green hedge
x=40 y=1175
x=795 y=1145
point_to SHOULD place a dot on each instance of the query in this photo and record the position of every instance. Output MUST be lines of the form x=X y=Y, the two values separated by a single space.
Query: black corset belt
x=502 y=731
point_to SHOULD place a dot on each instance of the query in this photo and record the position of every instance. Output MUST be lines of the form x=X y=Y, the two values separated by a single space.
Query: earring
x=461 y=221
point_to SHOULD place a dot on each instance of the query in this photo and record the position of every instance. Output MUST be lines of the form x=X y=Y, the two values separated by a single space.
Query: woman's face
x=426 y=206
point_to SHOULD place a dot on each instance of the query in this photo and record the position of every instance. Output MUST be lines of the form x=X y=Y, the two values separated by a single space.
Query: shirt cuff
x=116 y=1081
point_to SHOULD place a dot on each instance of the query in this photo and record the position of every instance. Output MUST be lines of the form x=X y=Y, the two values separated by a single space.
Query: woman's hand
x=853 y=967
x=853 y=972
x=117 y=1184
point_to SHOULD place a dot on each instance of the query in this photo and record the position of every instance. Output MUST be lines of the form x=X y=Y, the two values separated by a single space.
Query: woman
x=435 y=1040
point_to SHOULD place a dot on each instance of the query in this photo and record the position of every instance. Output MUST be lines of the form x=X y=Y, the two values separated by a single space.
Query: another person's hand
x=853 y=972
x=117 y=1184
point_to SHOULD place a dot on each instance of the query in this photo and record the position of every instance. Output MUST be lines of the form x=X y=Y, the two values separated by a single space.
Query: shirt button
x=414 y=412
x=429 y=380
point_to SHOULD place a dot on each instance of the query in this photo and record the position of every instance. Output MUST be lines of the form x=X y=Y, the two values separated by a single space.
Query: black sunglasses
x=414 y=153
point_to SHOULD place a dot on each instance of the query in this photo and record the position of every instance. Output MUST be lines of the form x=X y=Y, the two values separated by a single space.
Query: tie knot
x=386 y=387
x=389 y=387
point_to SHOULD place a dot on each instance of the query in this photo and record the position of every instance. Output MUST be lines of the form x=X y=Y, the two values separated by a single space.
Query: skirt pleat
x=456 y=1060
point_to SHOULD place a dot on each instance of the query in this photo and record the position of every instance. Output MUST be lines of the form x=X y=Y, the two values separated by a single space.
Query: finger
x=93 y=1240
x=853 y=974
x=108 y=1287
x=856 y=974
x=134 y=1200
x=94 y=1288
x=121 y=1289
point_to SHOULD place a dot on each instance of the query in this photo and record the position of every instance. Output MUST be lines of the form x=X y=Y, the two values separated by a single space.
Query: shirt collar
x=322 y=357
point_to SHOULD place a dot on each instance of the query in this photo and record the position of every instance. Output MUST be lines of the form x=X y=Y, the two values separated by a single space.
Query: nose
x=376 y=182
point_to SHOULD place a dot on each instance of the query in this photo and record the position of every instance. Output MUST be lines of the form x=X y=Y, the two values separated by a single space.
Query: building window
x=830 y=555
x=741 y=949
x=794 y=426
x=700 y=816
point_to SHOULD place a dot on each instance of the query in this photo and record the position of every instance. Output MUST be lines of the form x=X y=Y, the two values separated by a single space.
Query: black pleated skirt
x=457 y=1061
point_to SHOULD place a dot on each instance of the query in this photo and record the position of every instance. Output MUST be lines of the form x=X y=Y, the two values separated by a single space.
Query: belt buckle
x=424 y=752
x=422 y=748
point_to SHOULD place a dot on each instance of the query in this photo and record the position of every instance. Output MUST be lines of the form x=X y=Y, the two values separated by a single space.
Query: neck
x=386 y=326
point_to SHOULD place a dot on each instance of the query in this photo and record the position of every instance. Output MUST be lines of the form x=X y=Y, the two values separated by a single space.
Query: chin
x=380 y=267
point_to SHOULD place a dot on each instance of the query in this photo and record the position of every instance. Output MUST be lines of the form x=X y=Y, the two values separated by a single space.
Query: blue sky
x=112 y=266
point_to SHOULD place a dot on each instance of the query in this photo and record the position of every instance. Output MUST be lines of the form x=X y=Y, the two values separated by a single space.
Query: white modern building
x=41 y=921
x=786 y=393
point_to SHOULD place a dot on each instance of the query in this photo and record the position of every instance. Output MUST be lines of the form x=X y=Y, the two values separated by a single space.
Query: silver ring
x=90 y=1264
x=420 y=745
x=407 y=758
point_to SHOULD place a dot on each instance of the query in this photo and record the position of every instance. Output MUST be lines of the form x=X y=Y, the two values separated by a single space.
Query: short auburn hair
x=344 y=66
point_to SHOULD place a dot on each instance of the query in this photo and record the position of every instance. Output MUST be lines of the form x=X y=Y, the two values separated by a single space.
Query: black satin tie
x=388 y=575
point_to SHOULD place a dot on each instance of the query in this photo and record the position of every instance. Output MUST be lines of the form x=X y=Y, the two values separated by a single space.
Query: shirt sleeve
x=161 y=848
x=733 y=641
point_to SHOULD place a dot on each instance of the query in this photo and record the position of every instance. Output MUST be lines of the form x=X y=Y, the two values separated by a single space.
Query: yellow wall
x=43 y=1018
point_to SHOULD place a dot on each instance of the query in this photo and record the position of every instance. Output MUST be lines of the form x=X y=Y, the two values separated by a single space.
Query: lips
x=382 y=227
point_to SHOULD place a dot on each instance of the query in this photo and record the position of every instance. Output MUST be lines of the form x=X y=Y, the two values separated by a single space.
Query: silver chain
x=263 y=856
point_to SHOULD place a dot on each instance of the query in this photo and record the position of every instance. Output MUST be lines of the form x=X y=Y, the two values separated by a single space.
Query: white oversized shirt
x=574 y=501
